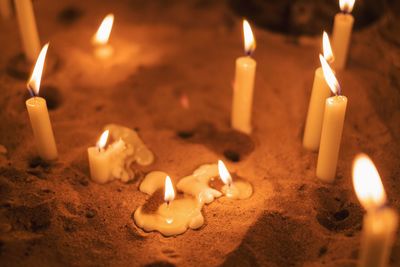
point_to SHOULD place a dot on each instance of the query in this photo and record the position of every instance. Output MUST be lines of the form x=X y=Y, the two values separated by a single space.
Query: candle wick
x=339 y=91
x=31 y=91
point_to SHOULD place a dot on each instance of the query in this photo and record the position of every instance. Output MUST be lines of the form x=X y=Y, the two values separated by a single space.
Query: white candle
x=102 y=48
x=331 y=135
x=342 y=29
x=380 y=222
x=38 y=113
x=244 y=85
x=115 y=161
x=5 y=9
x=99 y=160
x=320 y=92
x=27 y=27
x=169 y=217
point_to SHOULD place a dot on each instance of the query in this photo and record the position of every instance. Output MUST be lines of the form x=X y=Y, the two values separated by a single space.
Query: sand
x=171 y=79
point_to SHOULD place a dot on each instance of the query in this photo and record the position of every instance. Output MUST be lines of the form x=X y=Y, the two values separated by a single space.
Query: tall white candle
x=38 y=113
x=244 y=84
x=27 y=27
x=380 y=222
x=332 y=127
x=320 y=92
x=5 y=9
x=342 y=29
x=99 y=160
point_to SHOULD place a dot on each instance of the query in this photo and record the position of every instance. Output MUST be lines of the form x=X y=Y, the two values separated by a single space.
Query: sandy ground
x=53 y=215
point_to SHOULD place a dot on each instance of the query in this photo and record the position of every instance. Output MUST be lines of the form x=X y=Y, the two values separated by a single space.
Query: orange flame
x=169 y=193
x=103 y=33
x=367 y=183
x=224 y=173
x=330 y=77
x=36 y=77
x=327 y=49
x=249 y=41
x=103 y=139
x=346 y=5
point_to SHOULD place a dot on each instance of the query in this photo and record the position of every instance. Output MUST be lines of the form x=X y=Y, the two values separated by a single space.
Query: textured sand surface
x=166 y=55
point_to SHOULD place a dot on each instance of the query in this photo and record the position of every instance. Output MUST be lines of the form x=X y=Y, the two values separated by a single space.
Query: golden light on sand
x=346 y=5
x=169 y=192
x=367 y=183
x=103 y=139
x=36 y=77
x=224 y=173
x=249 y=41
x=329 y=76
x=103 y=33
x=327 y=49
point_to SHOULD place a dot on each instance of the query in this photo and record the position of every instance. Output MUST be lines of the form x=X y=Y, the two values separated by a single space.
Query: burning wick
x=346 y=6
x=327 y=49
x=100 y=39
x=224 y=173
x=169 y=195
x=249 y=42
x=330 y=77
x=33 y=84
x=102 y=140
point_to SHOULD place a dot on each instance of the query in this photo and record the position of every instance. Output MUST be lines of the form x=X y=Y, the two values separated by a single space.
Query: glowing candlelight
x=320 y=92
x=233 y=189
x=380 y=222
x=102 y=36
x=38 y=113
x=103 y=140
x=244 y=84
x=342 y=33
x=169 y=193
x=332 y=127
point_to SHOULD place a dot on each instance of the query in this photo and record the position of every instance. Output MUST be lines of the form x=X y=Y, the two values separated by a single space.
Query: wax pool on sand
x=243 y=94
x=331 y=135
x=41 y=126
x=379 y=231
x=27 y=27
x=341 y=39
x=313 y=127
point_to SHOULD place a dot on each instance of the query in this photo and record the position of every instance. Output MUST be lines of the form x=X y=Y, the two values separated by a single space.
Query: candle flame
x=346 y=5
x=103 y=139
x=367 y=183
x=330 y=77
x=249 y=41
x=36 y=77
x=103 y=33
x=224 y=173
x=328 y=54
x=169 y=193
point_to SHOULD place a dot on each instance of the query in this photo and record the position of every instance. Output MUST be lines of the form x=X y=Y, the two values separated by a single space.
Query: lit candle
x=320 y=92
x=100 y=39
x=210 y=181
x=164 y=213
x=5 y=9
x=38 y=113
x=380 y=222
x=115 y=161
x=27 y=27
x=238 y=189
x=244 y=84
x=332 y=127
x=99 y=160
x=342 y=28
